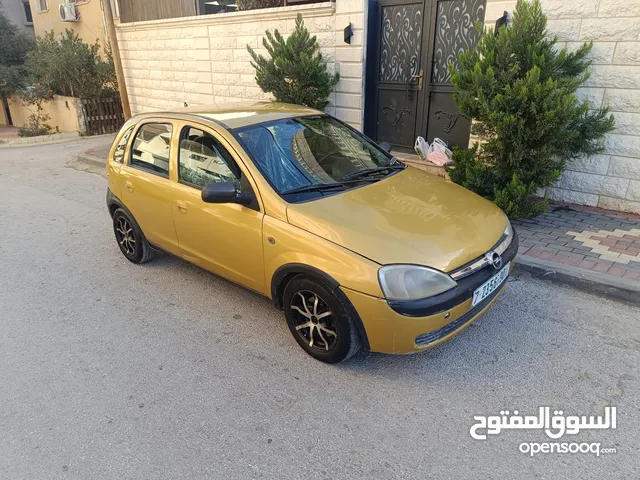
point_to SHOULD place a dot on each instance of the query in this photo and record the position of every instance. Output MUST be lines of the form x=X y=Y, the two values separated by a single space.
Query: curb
x=51 y=142
x=584 y=280
x=40 y=140
x=92 y=160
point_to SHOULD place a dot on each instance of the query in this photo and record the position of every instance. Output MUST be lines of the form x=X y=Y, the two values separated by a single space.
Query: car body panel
x=286 y=244
x=223 y=238
x=389 y=332
x=238 y=115
x=148 y=197
x=410 y=217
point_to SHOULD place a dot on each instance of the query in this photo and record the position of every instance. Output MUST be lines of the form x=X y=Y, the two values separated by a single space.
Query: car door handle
x=129 y=185
x=182 y=206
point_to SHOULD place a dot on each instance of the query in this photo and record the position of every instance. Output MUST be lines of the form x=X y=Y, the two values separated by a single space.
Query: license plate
x=488 y=287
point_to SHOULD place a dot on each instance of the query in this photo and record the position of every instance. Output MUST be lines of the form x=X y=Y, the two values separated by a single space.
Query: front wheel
x=320 y=320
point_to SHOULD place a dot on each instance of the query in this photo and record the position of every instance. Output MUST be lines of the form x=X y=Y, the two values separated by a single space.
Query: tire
x=130 y=239
x=332 y=313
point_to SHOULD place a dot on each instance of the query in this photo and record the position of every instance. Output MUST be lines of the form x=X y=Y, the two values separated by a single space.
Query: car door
x=225 y=238
x=145 y=184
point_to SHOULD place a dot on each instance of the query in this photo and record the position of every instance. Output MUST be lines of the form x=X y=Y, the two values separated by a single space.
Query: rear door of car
x=145 y=183
x=116 y=158
x=225 y=238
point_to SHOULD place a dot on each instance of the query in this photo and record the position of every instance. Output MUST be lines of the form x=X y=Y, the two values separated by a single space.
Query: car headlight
x=411 y=282
x=507 y=237
x=509 y=230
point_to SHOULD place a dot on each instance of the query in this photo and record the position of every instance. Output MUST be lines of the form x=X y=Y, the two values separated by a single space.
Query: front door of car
x=145 y=187
x=225 y=238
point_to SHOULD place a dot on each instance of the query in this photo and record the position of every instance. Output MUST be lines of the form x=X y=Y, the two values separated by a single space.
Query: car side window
x=151 y=146
x=203 y=160
x=118 y=155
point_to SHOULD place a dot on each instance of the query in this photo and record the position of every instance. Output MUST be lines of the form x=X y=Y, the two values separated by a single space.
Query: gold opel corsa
x=358 y=249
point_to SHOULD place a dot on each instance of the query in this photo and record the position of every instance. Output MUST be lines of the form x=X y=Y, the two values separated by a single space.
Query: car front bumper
x=420 y=325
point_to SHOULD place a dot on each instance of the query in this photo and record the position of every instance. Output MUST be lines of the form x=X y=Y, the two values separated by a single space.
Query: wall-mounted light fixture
x=348 y=33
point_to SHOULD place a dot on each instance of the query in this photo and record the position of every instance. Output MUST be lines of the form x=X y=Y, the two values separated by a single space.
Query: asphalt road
x=111 y=370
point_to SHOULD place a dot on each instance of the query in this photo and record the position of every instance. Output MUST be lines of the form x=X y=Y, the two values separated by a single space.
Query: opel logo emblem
x=495 y=260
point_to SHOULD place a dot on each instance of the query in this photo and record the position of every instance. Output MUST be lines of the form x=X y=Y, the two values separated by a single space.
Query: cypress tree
x=520 y=91
x=296 y=71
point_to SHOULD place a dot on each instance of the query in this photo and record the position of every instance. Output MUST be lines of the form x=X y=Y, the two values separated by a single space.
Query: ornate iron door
x=395 y=71
x=408 y=83
x=454 y=32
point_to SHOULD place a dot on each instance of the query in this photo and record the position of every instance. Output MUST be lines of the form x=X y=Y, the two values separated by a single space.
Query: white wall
x=610 y=180
x=203 y=60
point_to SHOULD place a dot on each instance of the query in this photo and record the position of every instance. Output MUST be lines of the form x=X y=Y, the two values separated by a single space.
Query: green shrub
x=515 y=198
x=521 y=92
x=33 y=97
x=295 y=72
x=70 y=67
x=36 y=125
x=255 y=4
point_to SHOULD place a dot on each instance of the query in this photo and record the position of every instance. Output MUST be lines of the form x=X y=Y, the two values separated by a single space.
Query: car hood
x=410 y=217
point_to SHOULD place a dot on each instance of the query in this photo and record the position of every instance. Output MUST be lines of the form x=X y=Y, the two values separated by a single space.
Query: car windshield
x=314 y=153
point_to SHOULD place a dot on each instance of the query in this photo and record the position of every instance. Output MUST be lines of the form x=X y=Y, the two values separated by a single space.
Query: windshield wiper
x=369 y=171
x=318 y=187
x=314 y=188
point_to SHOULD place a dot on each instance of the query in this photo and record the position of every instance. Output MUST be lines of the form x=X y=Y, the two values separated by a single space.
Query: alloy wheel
x=125 y=236
x=314 y=321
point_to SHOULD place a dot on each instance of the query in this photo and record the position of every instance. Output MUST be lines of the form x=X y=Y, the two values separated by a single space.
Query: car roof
x=239 y=115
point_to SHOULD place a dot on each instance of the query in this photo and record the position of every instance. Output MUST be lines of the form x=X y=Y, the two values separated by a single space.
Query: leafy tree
x=14 y=45
x=68 y=66
x=296 y=72
x=521 y=93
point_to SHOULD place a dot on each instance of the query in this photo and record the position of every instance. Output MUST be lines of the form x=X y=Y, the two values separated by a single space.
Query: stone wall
x=203 y=60
x=610 y=180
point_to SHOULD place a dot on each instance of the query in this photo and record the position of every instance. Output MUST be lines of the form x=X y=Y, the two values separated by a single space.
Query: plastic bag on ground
x=438 y=153
x=421 y=147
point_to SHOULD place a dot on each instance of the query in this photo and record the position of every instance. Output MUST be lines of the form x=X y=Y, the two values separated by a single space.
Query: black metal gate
x=395 y=97
x=408 y=85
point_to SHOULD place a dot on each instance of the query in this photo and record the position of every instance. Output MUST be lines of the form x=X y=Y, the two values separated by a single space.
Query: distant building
x=85 y=17
x=19 y=13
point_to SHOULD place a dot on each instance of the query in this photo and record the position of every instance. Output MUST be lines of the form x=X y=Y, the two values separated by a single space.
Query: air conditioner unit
x=69 y=12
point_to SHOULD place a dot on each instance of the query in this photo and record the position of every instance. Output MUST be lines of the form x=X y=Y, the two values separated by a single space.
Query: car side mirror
x=224 y=192
x=386 y=146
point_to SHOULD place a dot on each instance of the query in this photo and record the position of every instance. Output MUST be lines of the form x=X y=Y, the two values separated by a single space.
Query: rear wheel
x=320 y=320
x=130 y=238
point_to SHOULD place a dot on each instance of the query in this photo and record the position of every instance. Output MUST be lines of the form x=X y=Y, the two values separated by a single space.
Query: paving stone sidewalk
x=587 y=238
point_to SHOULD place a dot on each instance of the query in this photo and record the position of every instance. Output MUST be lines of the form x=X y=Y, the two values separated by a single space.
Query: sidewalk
x=584 y=245
x=97 y=157
x=8 y=133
